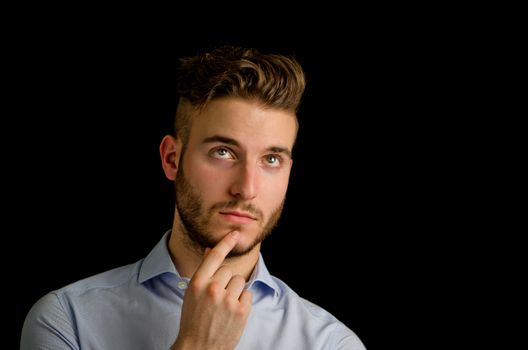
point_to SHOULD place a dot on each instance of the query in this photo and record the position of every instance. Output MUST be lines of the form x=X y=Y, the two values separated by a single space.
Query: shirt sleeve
x=345 y=339
x=47 y=326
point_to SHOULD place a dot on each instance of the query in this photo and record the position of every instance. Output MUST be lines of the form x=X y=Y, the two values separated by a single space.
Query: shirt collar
x=158 y=262
x=262 y=276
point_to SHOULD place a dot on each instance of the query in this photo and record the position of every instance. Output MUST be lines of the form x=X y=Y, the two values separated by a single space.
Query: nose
x=245 y=184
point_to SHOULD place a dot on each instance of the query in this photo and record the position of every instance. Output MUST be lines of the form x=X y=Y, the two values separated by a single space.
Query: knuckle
x=196 y=285
x=231 y=304
x=247 y=299
x=242 y=311
x=214 y=289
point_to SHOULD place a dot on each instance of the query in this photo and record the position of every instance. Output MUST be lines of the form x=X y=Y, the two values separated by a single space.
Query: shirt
x=138 y=306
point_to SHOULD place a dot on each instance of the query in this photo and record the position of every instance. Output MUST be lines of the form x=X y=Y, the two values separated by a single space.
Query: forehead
x=245 y=121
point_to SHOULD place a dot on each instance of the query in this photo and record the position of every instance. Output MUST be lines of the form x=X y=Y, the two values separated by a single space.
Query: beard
x=195 y=219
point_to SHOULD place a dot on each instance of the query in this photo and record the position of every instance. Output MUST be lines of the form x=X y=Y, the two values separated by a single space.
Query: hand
x=216 y=306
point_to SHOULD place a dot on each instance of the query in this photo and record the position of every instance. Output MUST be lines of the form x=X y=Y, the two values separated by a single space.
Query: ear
x=170 y=152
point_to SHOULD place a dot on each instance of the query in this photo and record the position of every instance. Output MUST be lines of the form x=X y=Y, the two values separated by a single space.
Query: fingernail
x=235 y=234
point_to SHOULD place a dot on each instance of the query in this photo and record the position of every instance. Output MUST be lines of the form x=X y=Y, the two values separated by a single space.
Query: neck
x=187 y=257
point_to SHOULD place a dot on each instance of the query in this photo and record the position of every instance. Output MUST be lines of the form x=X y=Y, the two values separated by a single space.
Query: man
x=205 y=285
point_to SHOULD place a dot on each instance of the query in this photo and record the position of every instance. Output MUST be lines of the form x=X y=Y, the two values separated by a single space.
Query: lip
x=237 y=217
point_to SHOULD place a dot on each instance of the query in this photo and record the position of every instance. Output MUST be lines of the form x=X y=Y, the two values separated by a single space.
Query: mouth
x=238 y=217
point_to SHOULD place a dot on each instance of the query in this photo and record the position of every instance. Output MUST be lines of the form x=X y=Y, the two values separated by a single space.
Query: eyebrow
x=230 y=141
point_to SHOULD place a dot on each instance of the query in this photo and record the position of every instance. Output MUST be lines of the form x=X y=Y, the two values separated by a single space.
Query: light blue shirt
x=138 y=306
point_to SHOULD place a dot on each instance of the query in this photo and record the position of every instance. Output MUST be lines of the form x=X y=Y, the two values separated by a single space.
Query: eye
x=273 y=160
x=222 y=153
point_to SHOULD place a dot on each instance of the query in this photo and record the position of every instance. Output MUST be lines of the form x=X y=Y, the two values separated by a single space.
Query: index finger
x=216 y=256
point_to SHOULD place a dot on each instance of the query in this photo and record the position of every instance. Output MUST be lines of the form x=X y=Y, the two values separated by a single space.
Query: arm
x=216 y=306
x=47 y=326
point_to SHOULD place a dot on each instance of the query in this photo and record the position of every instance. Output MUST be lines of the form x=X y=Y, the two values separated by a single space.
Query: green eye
x=273 y=160
x=221 y=153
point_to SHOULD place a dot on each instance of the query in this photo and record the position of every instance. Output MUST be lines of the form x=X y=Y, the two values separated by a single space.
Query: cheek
x=204 y=178
x=273 y=192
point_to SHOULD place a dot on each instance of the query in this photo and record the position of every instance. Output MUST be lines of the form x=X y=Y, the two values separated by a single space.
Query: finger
x=216 y=256
x=246 y=298
x=222 y=276
x=235 y=286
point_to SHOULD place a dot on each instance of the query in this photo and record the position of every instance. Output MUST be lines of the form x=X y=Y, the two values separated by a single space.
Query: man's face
x=234 y=172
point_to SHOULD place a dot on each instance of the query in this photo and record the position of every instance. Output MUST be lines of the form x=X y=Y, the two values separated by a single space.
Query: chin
x=243 y=247
x=247 y=241
x=240 y=251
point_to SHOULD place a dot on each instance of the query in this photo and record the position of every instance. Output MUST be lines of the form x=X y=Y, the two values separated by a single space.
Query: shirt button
x=182 y=285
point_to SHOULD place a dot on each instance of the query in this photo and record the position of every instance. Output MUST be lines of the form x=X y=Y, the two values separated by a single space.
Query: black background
x=366 y=218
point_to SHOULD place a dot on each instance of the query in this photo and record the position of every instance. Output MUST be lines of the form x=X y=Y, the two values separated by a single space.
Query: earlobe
x=170 y=152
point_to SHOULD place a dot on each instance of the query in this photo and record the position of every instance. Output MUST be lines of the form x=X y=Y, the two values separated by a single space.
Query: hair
x=271 y=80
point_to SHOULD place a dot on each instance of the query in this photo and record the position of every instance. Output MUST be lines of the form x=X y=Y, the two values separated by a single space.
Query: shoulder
x=342 y=337
x=317 y=320
x=50 y=320
x=311 y=310
x=84 y=294
x=105 y=280
x=54 y=301
x=46 y=318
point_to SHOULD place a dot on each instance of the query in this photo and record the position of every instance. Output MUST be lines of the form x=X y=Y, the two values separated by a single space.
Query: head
x=231 y=154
